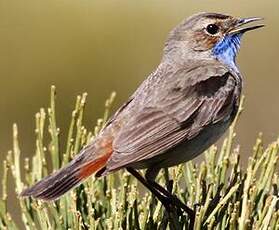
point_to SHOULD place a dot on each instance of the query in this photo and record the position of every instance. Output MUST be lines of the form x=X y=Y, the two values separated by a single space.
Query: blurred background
x=104 y=46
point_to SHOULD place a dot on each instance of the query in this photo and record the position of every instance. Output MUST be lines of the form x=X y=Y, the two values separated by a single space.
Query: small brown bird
x=180 y=110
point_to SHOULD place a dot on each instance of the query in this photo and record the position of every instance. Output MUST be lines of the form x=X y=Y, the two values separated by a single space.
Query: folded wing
x=199 y=97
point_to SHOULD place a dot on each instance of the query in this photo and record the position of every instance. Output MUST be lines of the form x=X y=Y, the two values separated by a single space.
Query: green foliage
x=224 y=194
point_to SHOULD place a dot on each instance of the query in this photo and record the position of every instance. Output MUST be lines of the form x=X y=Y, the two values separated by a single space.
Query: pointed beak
x=239 y=28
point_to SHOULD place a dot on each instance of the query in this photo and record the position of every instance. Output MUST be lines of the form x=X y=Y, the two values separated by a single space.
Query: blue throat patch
x=226 y=50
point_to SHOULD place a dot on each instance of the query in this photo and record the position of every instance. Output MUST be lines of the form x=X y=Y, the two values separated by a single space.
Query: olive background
x=103 y=46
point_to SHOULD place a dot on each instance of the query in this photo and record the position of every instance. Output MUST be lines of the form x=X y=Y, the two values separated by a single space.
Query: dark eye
x=212 y=29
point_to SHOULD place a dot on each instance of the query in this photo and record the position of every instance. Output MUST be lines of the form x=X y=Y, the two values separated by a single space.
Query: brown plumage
x=181 y=109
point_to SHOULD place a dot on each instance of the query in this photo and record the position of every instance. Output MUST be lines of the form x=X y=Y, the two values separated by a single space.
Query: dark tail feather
x=60 y=182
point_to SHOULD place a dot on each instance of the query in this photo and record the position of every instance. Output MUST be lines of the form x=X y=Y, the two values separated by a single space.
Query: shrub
x=224 y=194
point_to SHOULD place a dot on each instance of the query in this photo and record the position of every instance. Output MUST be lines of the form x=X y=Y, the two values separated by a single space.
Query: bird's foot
x=172 y=202
x=173 y=205
x=178 y=203
x=196 y=206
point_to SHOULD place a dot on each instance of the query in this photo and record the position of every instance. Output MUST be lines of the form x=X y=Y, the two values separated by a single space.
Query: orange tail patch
x=93 y=166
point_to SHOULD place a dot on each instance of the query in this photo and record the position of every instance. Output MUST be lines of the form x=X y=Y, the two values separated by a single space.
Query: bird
x=181 y=109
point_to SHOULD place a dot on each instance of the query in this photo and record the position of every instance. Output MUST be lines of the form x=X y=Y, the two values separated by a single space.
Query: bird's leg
x=169 y=185
x=164 y=196
x=161 y=197
x=173 y=198
x=150 y=178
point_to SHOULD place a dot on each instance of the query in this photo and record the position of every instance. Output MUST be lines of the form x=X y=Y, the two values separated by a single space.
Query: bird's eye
x=212 y=29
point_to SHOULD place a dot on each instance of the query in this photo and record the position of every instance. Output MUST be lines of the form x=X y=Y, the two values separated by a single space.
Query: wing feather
x=186 y=107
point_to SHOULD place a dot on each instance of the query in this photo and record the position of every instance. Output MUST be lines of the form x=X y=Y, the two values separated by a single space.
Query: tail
x=60 y=182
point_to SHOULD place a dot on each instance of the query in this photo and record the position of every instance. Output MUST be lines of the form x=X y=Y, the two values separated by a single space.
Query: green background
x=101 y=46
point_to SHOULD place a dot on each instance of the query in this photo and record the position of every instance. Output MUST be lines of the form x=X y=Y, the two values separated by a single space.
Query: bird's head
x=210 y=35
